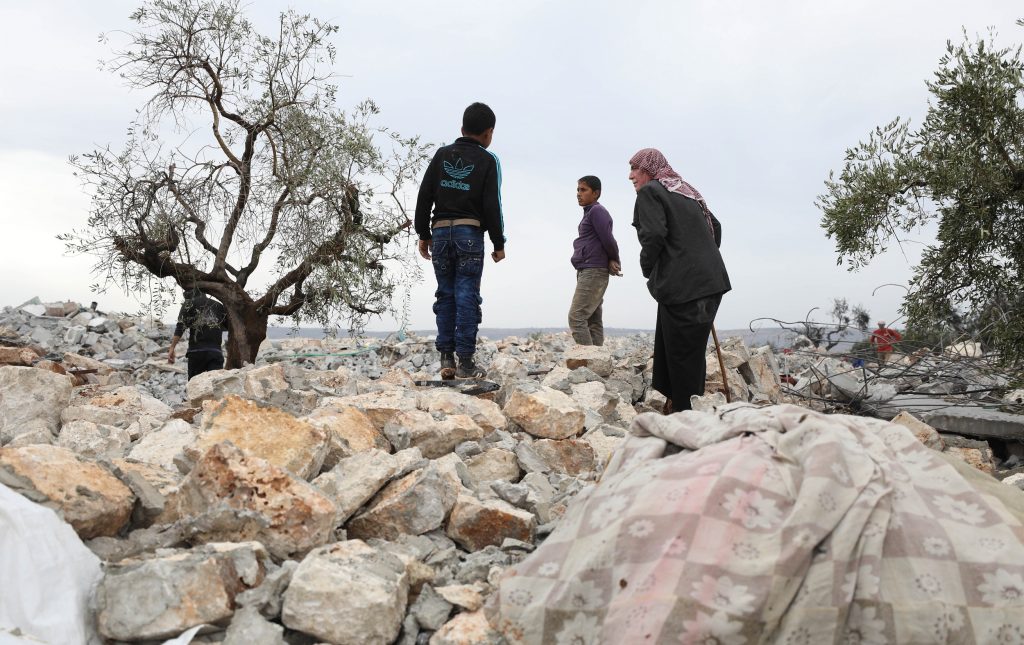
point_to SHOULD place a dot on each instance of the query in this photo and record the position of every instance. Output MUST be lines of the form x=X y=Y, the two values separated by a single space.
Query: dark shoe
x=468 y=369
x=447 y=365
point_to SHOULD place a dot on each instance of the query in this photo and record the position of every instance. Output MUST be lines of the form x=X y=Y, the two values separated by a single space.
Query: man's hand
x=425 y=247
x=498 y=256
x=170 y=355
x=614 y=268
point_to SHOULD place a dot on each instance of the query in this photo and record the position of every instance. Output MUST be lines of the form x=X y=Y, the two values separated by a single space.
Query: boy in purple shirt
x=595 y=256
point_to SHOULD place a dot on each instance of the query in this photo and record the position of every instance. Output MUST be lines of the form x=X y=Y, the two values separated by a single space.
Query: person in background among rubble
x=679 y=256
x=463 y=186
x=595 y=256
x=206 y=319
x=883 y=338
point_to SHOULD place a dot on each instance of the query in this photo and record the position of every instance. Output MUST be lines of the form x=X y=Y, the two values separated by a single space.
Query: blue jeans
x=458 y=257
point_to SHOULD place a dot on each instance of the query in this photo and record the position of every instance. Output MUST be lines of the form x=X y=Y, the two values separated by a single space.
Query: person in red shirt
x=883 y=338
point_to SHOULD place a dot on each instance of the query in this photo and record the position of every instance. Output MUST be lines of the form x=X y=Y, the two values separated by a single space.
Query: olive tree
x=962 y=170
x=242 y=177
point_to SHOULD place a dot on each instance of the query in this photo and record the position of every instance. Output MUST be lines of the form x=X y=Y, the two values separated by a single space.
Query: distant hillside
x=779 y=338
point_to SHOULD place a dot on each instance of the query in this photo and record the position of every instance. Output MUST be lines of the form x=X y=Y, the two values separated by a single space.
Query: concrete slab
x=977 y=422
x=918 y=405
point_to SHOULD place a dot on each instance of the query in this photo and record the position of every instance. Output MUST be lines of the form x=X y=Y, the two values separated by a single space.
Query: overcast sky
x=752 y=102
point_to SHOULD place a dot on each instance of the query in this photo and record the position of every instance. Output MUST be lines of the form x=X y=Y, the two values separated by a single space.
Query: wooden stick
x=721 y=364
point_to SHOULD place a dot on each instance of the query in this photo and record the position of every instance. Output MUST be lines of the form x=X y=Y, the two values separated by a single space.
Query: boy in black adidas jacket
x=462 y=185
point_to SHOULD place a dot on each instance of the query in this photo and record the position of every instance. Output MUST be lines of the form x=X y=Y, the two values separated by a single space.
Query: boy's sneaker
x=447 y=365
x=468 y=369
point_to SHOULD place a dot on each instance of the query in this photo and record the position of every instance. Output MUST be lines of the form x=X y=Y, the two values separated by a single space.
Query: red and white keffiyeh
x=652 y=162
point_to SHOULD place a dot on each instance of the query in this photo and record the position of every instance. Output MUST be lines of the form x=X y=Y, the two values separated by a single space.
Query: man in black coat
x=679 y=240
x=206 y=320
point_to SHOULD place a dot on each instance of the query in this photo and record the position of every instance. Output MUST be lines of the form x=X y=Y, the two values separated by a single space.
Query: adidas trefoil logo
x=458 y=171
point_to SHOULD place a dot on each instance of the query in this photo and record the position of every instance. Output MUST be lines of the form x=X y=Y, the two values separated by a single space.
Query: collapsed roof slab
x=978 y=422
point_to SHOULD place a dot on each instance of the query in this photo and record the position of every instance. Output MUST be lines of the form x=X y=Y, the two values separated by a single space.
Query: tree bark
x=247 y=328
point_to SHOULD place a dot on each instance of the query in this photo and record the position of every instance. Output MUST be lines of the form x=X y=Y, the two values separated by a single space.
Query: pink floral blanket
x=772 y=525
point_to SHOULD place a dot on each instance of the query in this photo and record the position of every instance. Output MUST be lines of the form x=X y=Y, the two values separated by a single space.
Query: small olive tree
x=963 y=169
x=240 y=176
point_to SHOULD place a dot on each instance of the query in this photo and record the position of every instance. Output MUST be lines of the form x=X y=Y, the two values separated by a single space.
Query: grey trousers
x=585 y=311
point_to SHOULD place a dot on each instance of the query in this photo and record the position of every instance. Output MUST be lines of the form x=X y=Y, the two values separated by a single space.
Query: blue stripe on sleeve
x=501 y=210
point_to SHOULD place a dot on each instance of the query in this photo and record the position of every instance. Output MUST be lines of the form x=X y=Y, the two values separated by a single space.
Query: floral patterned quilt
x=773 y=525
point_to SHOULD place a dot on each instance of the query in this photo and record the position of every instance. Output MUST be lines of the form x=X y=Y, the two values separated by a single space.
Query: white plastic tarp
x=47 y=576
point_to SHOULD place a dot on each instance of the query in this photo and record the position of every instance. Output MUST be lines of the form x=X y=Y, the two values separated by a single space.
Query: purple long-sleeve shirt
x=596 y=245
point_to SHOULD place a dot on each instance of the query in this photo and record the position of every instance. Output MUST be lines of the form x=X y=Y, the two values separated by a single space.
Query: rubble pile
x=958 y=400
x=333 y=491
x=319 y=495
x=106 y=350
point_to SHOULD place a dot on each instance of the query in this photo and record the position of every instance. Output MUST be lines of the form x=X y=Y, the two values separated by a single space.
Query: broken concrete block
x=975 y=457
x=558 y=379
x=213 y=386
x=87 y=439
x=89 y=498
x=762 y=373
x=708 y=402
x=568 y=456
x=595 y=396
x=163 y=480
x=598 y=359
x=624 y=413
x=529 y=460
x=738 y=389
x=31 y=433
x=74 y=335
x=434 y=438
x=544 y=412
x=120 y=408
x=603 y=445
x=414 y=504
x=847 y=386
x=430 y=609
x=149 y=499
x=517 y=495
x=454 y=473
x=248 y=627
x=380 y=406
x=166 y=446
x=467 y=597
x=263 y=382
x=1015 y=480
x=467 y=629
x=495 y=464
x=926 y=434
x=162 y=596
x=965 y=349
x=31 y=395
x=56 y=368
x=22 y=356
x=42 y=336
x=266 y=598
x=734 y=352
x=231 y=496
x=408 y=460
x=348 y=593
x=1014 y=397
x=399 y=377
x=355 y=480
x=349 y=432
x=264 y=432
x=78 y=361
x=475 y=524
x=447 y=402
